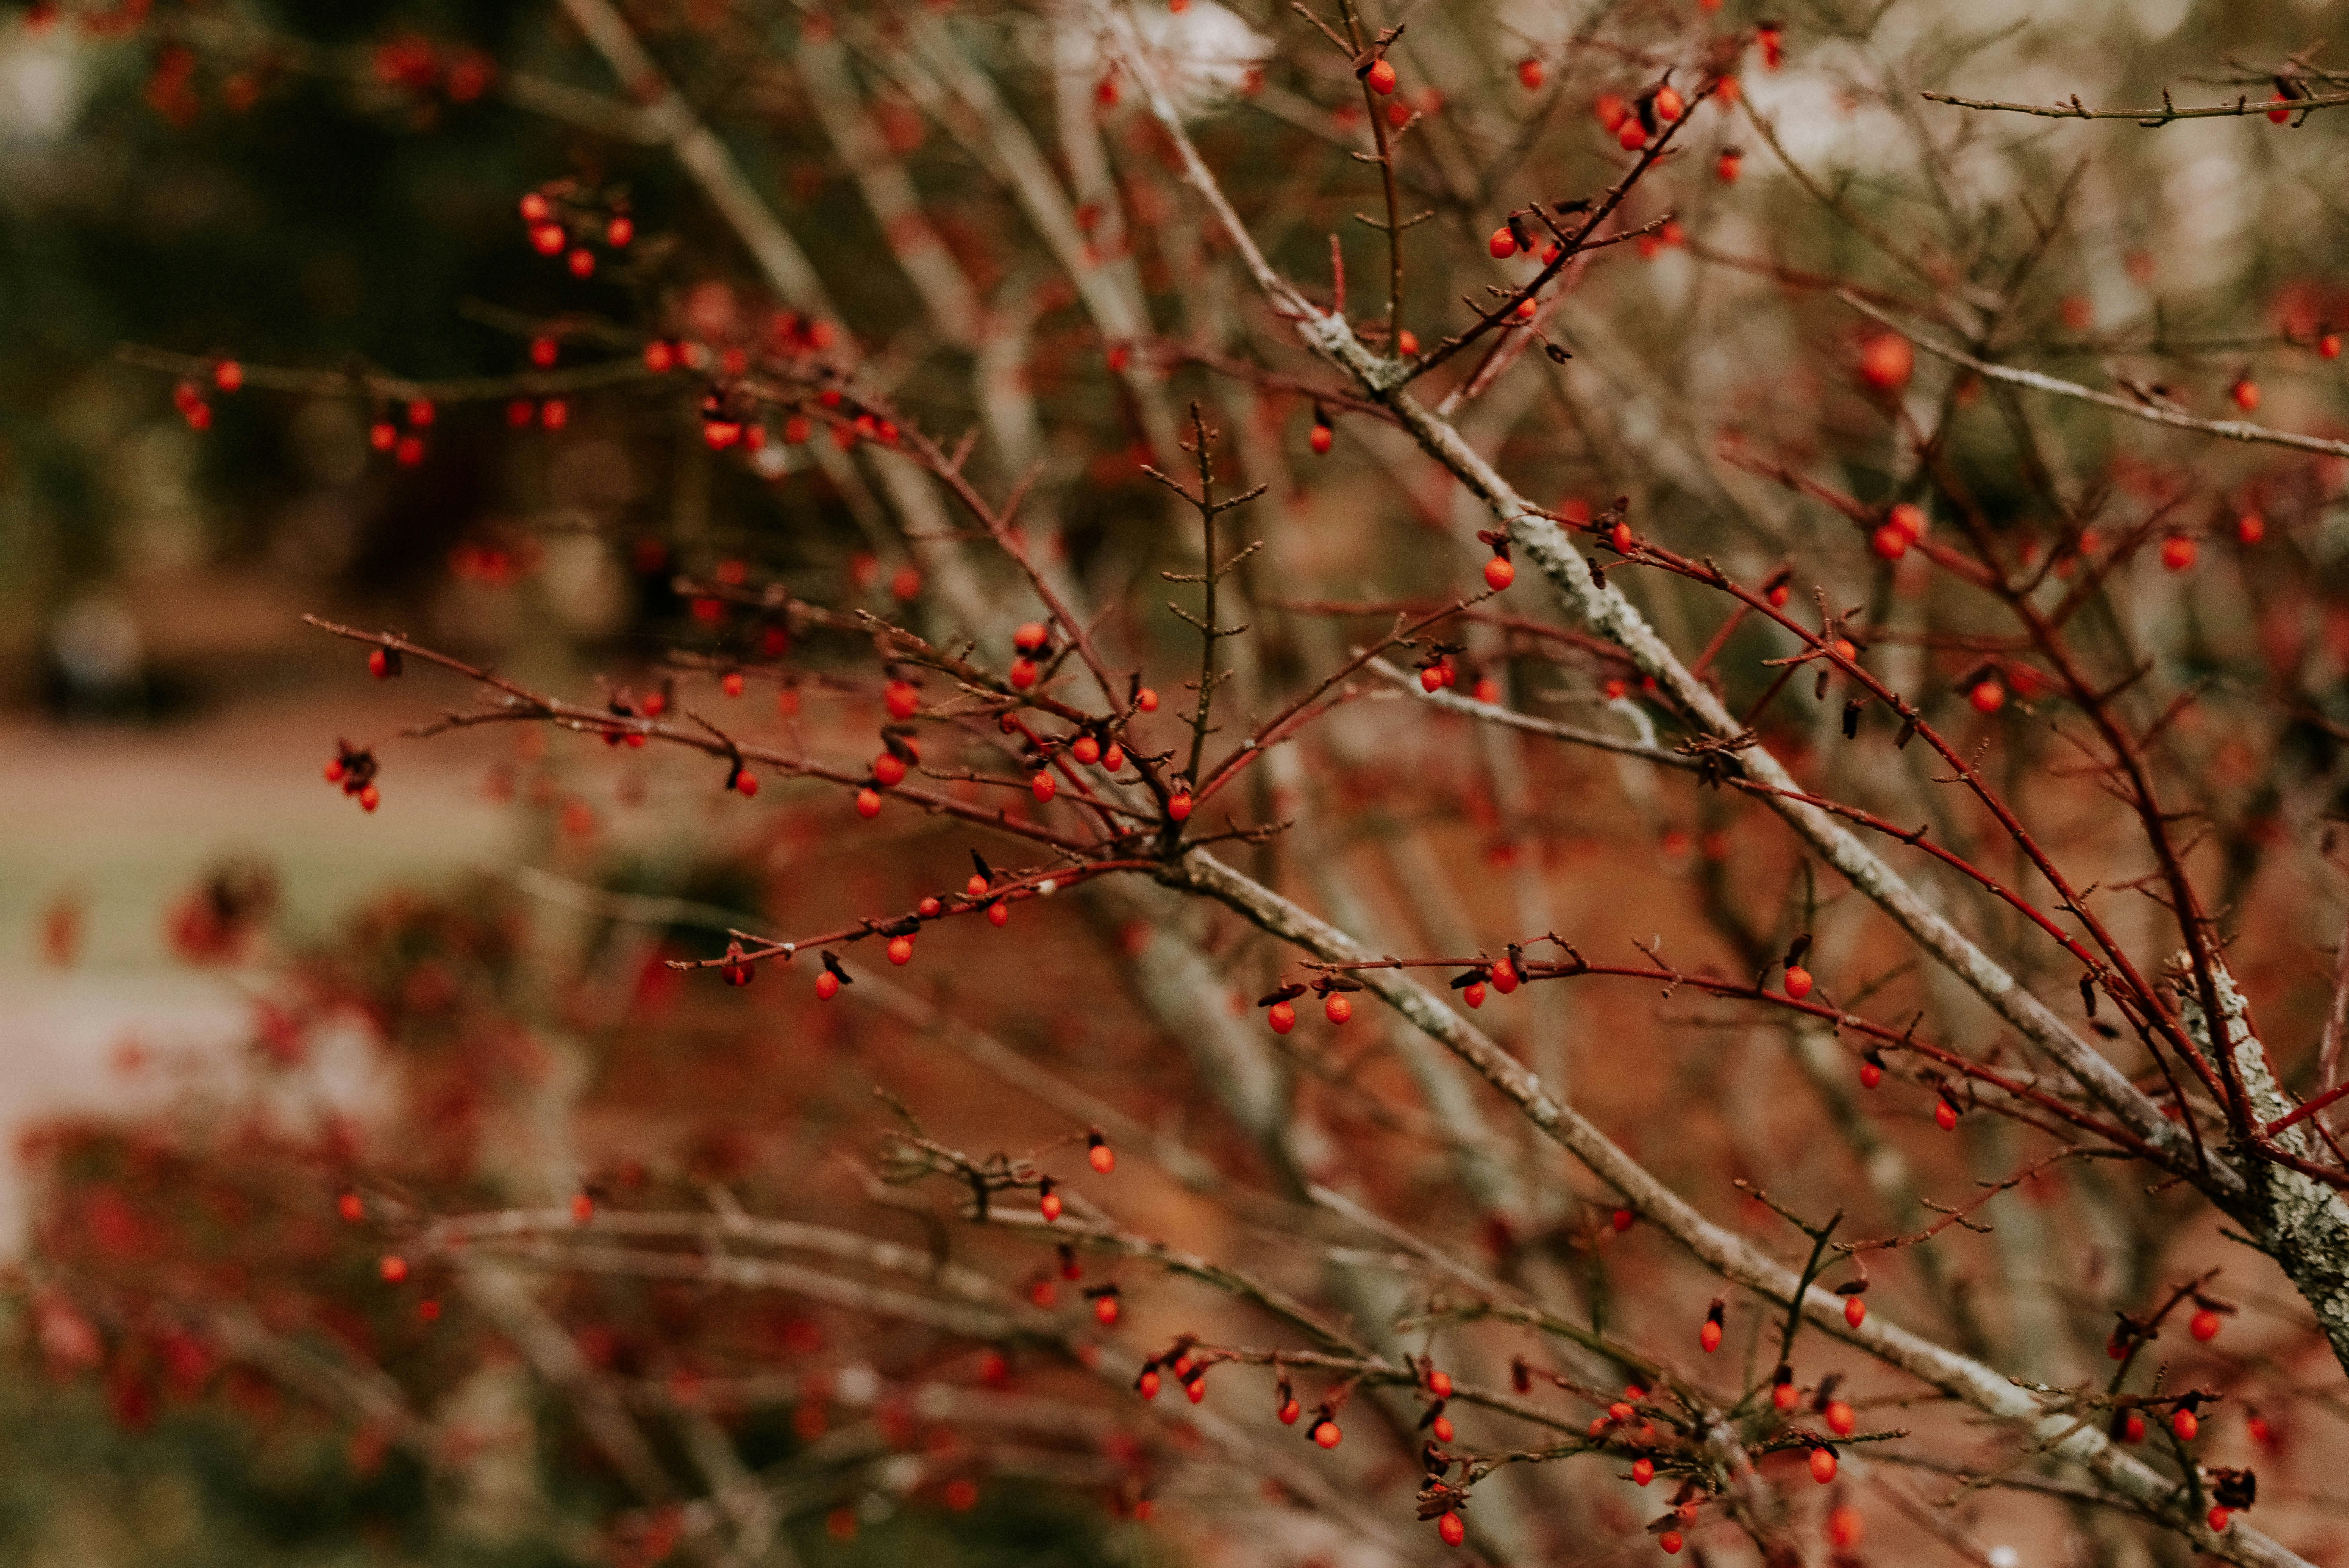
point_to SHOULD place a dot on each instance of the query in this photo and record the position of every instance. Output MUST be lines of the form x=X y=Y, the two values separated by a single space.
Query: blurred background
x=330 y=191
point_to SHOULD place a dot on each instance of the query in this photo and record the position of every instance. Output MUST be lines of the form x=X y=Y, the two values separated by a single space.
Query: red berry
x=1146 y=700
x=1630 y=135
x=408 y=452
x=1841 y=1418
x=1450 y=1529
x=868 y=804
x=1988 y=695
x=1611 y=110
x=999 y=913
x=1085 y=748
x=1113 y=758
x=901 y=699
x=2184 y=1425
x=1473 y=992
x=746 y=783
x=1668 y=105
x=1709 y=1336
x=1101 y=1157
x=548 y=239
x=1326 y=1433
x=1854 y=1311
x=659 y=356
x=1320 y=439
x=581 y=264
x=380 y=663
x=2246 y=394
x=1945 y=1116
x=1886 y=361
x=1784 y=1397
x=1505 y=979
x=1778 y=597
x=2133 y=1428
x=393 y=1269
x=619 y=232
x=228 y=374
x=537 y=207
x=352 y=1207
x=1147 y=1384
x=1823 y=1465
x=1380 y=76
x=1870 y=1074
x=1643 y=1471
x=887 y=769
x=1889 y=542
x=2250 y=528
x=544 y=352
x=1023 y=674
x=1041 y=786
x=1503 y=244
x=1499 y=573
x=901 y=950
x=2177 y=551
x=1337 y=1009
x=1623 y=1220
x=827 y=985
x=1289 y=1412
x=1671 y=1542
x=1728 y=166
x=2204 y=1325
x=1049 y=1205
x=1178 y=806
x=1105 y=1310
x=1281 y=1016
x=1843 y=1527
x=1530 y=74
x=369 y=798
x=2218 y=1516
x=1430 y=678
x=1798 y=982
x=731 y=682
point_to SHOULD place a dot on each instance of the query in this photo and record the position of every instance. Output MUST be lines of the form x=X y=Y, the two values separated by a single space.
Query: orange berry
x=868 y=804
x=1326 y=1433
x=1841 y=1418
x=1823 y=1465
x=1798 y=982
x=1945 y=1116
x=1178 y=806
x=1380 y=76
x=1889 y=542
x=1337 y=1009
x=1988 y=695
x=1499 y=573
x=1669 y=105
x=1105 y=1310
x=1611 y=110
x=1643 y=1471
x=1503 y=244
x=1101 y=1157
x=1671 y=1542
x=2246 y=394
x=2184 y=1425
x=1843 y=1527
x=901 y=950
x=1281 y=1016
x=888 y=769
x=1709 y=1336
x=1855 y=1310
x=1043 y=787
x=352 y=1207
